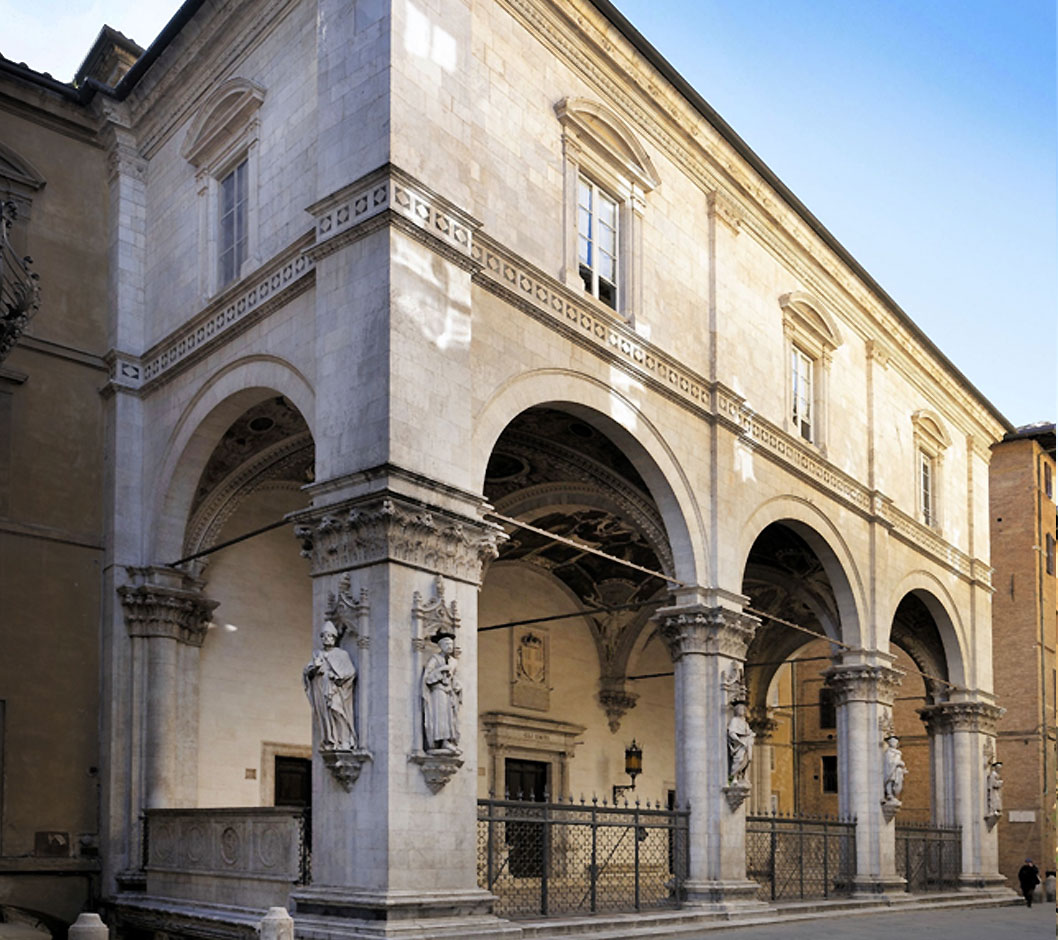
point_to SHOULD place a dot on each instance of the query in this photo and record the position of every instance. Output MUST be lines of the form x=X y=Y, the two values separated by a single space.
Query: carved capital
x=166 y=603
x=389 y=528
x=961 y=716
x=762 y=723
x=863 y=683
x=724 y=209
x=616 y=702
x=706 y=630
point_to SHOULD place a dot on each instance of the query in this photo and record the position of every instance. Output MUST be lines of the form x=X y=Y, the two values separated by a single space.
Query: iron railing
x=800 y=857
x=929 y=858
x=566 y=857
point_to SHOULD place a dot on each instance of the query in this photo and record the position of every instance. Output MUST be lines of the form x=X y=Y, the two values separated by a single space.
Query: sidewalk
x=991 y=923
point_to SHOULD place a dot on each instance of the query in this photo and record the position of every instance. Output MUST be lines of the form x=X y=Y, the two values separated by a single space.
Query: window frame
x=598 y=147
x=591 y=264
x=811 y=336
x=225 y=134
x=238 y=247
x=930 y=440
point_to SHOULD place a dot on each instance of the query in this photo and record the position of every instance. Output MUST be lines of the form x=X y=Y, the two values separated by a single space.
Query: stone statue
x=994 y=794
x=739 y=744
x=441 y=697
x=894 y=770
x=329 y=681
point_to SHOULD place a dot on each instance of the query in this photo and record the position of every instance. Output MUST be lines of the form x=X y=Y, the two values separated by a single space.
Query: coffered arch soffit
x=844 y=597
x=925 y=623
x=597 y=403
x=215 y=405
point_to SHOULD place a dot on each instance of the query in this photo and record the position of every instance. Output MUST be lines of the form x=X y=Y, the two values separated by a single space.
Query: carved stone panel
x=530 y=668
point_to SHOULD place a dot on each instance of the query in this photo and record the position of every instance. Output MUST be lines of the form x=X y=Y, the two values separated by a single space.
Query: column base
x=871 y=886
x=991 y=883
x=727 y=896
x=337 y=913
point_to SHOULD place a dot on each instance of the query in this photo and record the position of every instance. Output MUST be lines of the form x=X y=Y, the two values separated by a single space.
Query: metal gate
x=928 y=857
x=799 y=857
x=565 y=857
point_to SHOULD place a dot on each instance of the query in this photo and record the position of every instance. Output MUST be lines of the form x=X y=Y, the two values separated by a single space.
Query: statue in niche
x=894 y=769
x=739 y=744
x=329 y=680
x=994 y=793
x=441 y=697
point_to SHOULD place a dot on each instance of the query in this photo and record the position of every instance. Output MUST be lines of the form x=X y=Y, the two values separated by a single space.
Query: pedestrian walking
x=1028 y=877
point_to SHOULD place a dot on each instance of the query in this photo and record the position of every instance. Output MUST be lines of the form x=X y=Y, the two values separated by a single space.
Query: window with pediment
x=222 y=144
x=608 y=175
x=811 y=336
x=931 y=441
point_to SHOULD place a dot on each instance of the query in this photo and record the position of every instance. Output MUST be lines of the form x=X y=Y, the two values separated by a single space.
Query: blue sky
x=921 y=133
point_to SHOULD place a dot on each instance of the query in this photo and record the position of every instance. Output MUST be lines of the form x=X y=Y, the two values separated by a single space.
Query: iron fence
x=798 y=857
x=565 y=857
x=929 y=858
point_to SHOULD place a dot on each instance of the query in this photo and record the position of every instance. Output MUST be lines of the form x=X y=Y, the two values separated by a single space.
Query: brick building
x=1021 y=487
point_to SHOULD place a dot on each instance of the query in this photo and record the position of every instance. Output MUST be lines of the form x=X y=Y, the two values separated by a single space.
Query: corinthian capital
x=706 y=630
x=961 y=716
x=164 y=602
x=389 y=528
x=861 y=682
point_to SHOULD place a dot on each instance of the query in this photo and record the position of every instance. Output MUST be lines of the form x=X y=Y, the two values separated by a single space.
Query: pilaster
x=708 y=647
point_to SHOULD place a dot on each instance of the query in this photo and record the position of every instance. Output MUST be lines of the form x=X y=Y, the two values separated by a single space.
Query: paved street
x=993 y=923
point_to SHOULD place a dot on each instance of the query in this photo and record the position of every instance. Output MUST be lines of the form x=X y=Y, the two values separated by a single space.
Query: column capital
x=717 y=631
x=166 y=602
x=863 y=682
x=762 y=722
x=385 y=527
x=961 y=716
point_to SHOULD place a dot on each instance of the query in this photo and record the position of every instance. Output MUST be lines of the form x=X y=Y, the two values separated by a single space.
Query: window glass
x=827 y=713
x=801 y=372
x=232 y=235
x=829 y=773
x=926 y=484
x=597 y=241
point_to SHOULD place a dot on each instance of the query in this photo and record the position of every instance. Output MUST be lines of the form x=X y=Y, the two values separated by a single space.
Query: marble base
x=330 y=913
x=728 y=896
x=871 y=886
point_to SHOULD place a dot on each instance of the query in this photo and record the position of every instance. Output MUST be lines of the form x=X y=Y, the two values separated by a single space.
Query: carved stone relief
x=530 y=668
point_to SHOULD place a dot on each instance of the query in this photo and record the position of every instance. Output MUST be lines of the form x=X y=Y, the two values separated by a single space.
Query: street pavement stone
x=989 y=923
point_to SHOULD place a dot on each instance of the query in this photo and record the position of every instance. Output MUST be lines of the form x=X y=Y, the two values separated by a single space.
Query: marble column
x=865 y=687
x=708 y=647
x=969 y=729
x=166 y=615
x=941 y=764
x=394 y=832
x=763 y=725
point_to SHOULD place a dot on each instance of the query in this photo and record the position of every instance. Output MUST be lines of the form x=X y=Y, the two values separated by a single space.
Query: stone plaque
x=530 y=668
x=1023 y=815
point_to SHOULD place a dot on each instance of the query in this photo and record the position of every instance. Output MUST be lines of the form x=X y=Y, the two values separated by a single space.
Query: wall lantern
x=633 y=767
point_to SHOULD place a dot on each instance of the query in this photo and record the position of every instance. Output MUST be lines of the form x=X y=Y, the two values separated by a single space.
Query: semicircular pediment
x=221 y=120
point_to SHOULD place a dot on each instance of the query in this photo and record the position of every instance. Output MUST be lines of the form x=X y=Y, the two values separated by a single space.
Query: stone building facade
x=427 y=321
x=1023 y=530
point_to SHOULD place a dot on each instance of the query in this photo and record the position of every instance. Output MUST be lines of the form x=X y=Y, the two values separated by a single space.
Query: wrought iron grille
x=928 y=857
x=566 y=857
x=798 y=857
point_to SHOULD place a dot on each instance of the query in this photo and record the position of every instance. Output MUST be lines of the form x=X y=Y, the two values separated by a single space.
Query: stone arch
x=210 y=412
x=927 y=588
x=628 y=427
x=830 y=547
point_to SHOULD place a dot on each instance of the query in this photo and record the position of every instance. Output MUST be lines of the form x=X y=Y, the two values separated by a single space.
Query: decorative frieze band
x=272 y=286
x=546 y=299
x=340 y=217
x=706 y=630
x=861 y=682
x=173 y=609
x=388 y=528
